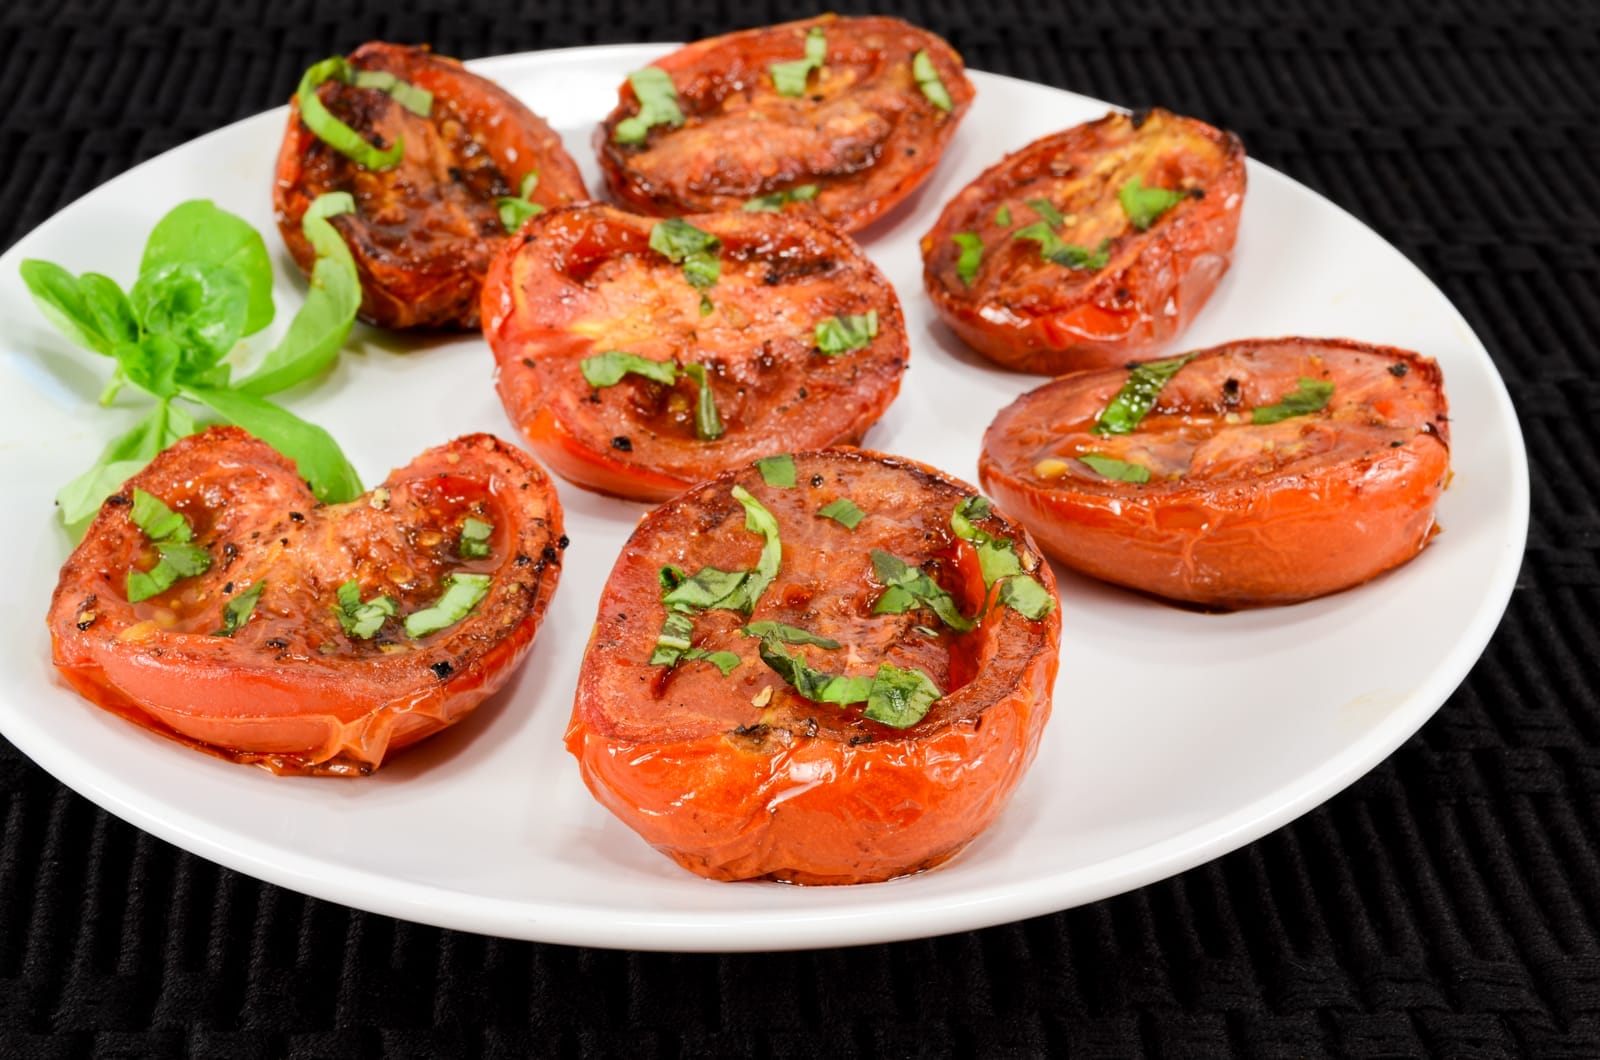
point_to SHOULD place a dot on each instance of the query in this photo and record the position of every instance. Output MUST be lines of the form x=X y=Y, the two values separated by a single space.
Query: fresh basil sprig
x=205 y=282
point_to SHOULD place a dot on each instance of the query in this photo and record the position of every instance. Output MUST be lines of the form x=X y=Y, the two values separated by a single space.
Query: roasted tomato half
x=427 y=221
x=1259 y=472
x=1091 y=247
x=642 y=356
x=831 y=668
x=845 y=116
x=214 y=601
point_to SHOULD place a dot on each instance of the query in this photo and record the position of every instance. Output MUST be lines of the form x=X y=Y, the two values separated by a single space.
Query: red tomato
x=739 y=776
x=292 y=689
x=583 y=281
x=1035 y=314
x=1235 y=513
x=862 y=135
x=424 y=231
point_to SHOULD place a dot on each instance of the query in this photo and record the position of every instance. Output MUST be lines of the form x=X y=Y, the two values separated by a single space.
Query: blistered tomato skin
x=582 y=281
x=1235 y=514
x=863 y=133
x=739 y=777
x=1033 y=315
x=291 y=689
x=423 y=232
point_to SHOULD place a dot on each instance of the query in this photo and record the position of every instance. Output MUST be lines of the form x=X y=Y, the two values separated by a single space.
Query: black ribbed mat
x=1447 y=904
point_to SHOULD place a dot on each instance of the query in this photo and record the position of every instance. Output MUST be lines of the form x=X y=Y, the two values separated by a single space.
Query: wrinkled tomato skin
x=1034 y=316
x=423 y=232
x=733 y=785
x=290 y=690
x=581 y=281
x=863 y=132
x=1262 y=515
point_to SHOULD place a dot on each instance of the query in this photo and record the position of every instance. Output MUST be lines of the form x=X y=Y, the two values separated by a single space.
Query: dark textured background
x=1446 y=904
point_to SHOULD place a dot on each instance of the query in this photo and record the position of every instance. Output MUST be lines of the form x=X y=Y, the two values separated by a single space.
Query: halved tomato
x=424 y=228
x=777 y=333
x=831 y=668
x=1263 y=472
x=215 y=601
x=1089 y=247
x=843 y=115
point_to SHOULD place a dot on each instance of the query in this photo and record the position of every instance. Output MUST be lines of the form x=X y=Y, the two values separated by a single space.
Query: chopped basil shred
x=1112 y=468
x=894 y=697
x=927 y=79
x=240 y=609
x=362 y=619
x=608 y=368
x=1144 y=206
x=474 y=543
x=158 y=522
x=1053 y=248
x=842 y=511
x=815 y=685
x=999 y=562
x=971 y=255
x=1138 y=395
x=673 y=640
x=1310 y=396
x=418 y=101
x=841 y=334
x=726 y=661
x=1002 y=216
x=1026 y=596
x=1047 y=212
x=684 y=244
x=907 y=587
x=515 y=209
x=335 y=133
x=707 y=423
x=790 y=78
x=789 y=634
x=777 y=471
x=777 y=200
x=462 y=592
x=658 y=105
x=169 y=531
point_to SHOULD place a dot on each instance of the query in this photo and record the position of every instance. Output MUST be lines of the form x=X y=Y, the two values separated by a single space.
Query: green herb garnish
x=775 y=201
x=1002 y=216
x=842 y=511
x=673 y=640
x=1310 y=396
x=841 y=334
x=240 y=610
x=971 y=255
x=658 y=105
x=1112 y=468
x=169 y=531
x=907 y=587
x=515 y=209
x=341 y=137
x=707 y=423
x=1138 y=395
x=789 y=634
x=474 y=542
x=927 y=79
x=777 y=471
x=1026 y=597
x=1144 y=206
x=1053 y=249
x=462 y=592
x=812 y=684
x=999 y=561
x=608 y=368
x=1046 y=211
x=894 y=697
x=362 y=619
x=790 y=78
x=684 y=244
x=726 y=661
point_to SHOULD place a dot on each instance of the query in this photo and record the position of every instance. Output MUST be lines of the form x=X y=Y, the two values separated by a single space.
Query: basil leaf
x=185 y=560
x=815 y=685
x=1310 y=396
x=151 y=364
x=673 y=641
x=201 y=232
x=707 y=588
x=203 y=308
x=1112 y=468
x=81 y=498
x=418 y=101
x=1053 y=249
x=758 y=520
x=997 y=556
x=159 y=523
x=971 y=255
x=608 y=368
x=726 y=661
x=841 y=334
x=842 y=511
x=474 y=542
x=1144 y=206
x=786 y=634
x=514 y=211
x=900 y=698
x=927 y=79
x=658 y=105
x=330 y=130
x=707 y=423
x=789 y=79
x=777 y=200
x=711 y=587
x=1138 y=395
x=684 y=244
x=359 y=619
x=316 y=455
x=170 y=532
x=1024 y=595
x=1002 y=216
x=318 y=331
x=462 y=592
x=60 y=297
x=240 y=609
x=916 y=588
x=777 y=471
x=1047 y=211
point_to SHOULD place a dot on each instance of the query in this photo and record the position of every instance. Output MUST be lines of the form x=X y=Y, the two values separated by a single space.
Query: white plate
x=1177 y=736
